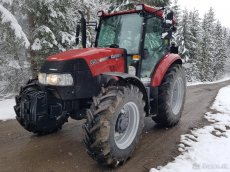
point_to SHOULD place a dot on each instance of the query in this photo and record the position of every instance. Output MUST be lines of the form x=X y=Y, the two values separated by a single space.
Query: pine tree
x=183 y=35
x=195 y=39
x=220 y=51
x=206 y=60
x=158 y=3
x=176 y=9
x=227 y=45
x=91 y=8
x=13 y=44
x=51 y=28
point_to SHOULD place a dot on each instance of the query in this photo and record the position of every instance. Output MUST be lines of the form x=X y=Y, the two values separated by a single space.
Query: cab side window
x=155 y=46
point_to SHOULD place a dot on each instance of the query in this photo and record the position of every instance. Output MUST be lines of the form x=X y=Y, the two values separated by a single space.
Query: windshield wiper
x=112 y=46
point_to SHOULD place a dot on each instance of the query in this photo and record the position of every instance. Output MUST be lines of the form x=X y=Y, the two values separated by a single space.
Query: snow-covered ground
x=225 y=78
x=206 y=149
x=6 y=109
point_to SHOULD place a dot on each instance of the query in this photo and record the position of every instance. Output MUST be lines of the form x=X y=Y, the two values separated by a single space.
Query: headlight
x=42 y=78
x=55 y=79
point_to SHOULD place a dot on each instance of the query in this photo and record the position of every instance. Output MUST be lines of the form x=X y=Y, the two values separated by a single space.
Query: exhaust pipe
x=81 y=27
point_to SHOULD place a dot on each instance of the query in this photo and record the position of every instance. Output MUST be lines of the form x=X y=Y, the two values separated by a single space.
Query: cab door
x=155 y=47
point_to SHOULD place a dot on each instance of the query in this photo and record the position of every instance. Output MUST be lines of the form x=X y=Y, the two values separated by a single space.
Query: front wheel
x=114 y=125
x=171 y=97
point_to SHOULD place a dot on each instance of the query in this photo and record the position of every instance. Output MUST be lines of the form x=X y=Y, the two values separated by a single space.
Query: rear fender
x=112 y=77
x=163 y=67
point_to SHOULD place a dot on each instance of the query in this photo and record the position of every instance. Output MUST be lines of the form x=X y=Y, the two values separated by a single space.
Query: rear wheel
x=114 y=125
x=171 y=97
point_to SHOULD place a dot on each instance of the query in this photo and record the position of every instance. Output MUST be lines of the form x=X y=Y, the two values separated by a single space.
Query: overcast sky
x=221 y=7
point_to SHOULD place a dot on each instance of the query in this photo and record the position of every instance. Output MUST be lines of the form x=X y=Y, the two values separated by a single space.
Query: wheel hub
x=122 y=122
x=127 y=125
x=177 y=96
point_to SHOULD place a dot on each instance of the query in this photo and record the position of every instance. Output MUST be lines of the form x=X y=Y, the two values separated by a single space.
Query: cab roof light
x=100 y=13
x=140 y=7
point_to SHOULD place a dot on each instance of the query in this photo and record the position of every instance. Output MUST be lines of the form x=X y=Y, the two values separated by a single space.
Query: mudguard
x=116 y=76
x=163 y=67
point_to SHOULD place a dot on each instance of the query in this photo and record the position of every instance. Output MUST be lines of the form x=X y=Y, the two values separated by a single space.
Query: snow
x=7 y=109
x=206 y=149
x=3 y=84
x=222 y=101
x=48 y=40
x=14 y=64
x=6 y=1
x=36 y=45
x=53 y=12
x=7 y=17
x=226 y=78
x=67 y=38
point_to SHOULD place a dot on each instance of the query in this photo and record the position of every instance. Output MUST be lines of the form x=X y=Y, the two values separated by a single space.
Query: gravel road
x=22 y=151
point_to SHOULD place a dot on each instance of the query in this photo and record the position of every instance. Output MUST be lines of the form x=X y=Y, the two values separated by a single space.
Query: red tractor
x=133 y=72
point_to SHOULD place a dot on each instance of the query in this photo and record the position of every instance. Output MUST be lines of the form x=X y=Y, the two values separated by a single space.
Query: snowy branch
x=7 y=17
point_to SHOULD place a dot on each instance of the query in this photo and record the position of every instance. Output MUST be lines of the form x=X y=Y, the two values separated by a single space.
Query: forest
x=30 y=31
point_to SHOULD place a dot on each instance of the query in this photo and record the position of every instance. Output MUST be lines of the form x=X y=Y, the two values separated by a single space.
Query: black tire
x=32 y=86
x=101 y=125
x=168 y=114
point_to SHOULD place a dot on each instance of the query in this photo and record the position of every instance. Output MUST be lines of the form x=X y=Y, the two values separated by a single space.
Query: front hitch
x=35 y=114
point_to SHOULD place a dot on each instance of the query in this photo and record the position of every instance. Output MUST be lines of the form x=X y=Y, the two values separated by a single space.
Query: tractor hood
x=97 y=60
x=86 y=53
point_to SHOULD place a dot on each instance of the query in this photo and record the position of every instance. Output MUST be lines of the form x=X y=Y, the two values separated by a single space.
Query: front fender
x=162 y=68
x=130 y=79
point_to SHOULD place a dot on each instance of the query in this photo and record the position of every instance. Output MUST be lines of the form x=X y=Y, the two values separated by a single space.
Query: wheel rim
x=126 y=125
x=177 y=96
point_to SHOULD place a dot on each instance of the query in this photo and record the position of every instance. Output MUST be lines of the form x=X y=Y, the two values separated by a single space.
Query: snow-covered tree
x=220 y=51
x=176 y=9
x=159 y=3
x=13 y=45
x=194 y=40
x=51 y=27
x=183 y=35
x=206 y=60
x=8 y=21
x=32 y=30
x=187 y=38
x=91 y=8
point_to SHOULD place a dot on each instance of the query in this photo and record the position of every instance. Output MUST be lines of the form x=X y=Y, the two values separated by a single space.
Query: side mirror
x=168 y=24
x=174 y=28
x=168 y=18
x=174 y=48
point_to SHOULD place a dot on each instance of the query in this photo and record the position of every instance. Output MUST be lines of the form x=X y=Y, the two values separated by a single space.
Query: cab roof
x=145 y=7
x=159 y=11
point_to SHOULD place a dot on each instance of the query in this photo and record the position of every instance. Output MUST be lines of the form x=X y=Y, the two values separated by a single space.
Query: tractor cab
x=144 y=33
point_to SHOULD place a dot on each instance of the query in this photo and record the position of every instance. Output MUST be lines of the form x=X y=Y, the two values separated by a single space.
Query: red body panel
x=95 y=58
x=162 y=68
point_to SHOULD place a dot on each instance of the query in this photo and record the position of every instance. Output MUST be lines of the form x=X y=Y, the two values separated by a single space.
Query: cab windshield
x=121 y=31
